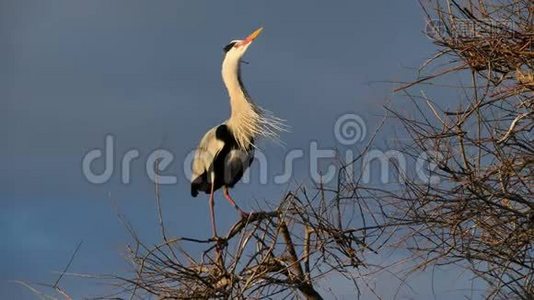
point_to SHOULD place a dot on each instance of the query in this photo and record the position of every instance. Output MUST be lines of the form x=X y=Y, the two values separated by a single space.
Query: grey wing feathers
x=206 y=152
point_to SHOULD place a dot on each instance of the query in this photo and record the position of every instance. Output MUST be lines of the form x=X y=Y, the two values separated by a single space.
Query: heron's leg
x=212 y=206
x=243 y=213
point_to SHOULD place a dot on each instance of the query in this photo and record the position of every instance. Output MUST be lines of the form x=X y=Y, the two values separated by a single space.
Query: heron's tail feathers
x=199 y=184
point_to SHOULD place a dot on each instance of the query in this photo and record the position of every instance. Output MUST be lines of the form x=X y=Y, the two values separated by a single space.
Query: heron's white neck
x=244 y=120
x=232 y=81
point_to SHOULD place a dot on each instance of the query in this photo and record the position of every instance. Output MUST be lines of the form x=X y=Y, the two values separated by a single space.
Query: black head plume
x=229 y=46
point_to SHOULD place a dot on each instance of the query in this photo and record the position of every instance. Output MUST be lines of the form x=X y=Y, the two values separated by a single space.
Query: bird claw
x=244 y=214
x=220 y=243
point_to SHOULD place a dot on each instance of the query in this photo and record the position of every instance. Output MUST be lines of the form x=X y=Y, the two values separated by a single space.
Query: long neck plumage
x=245 y=119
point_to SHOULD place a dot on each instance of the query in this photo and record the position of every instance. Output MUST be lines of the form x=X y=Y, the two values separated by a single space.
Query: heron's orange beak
x=252 y=36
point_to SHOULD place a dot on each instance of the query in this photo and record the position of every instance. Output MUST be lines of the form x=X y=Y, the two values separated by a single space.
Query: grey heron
x=227 y=150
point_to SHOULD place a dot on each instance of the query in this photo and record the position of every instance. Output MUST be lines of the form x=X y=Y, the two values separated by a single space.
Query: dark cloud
x=149 y=73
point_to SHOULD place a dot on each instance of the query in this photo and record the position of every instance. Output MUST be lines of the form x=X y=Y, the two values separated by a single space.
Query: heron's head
x=237 y=48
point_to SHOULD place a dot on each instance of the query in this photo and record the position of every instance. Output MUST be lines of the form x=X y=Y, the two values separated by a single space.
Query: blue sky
x=148 y=73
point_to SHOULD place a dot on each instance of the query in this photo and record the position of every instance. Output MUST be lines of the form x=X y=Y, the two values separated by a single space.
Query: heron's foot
x=244 y=214
x=215 y=238
x=220 y=243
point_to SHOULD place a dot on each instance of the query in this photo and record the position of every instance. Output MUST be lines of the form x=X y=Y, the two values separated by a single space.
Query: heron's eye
x=229 y=46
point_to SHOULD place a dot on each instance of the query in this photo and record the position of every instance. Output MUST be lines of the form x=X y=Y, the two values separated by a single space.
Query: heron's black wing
x=231 y=162
x=236 y=163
